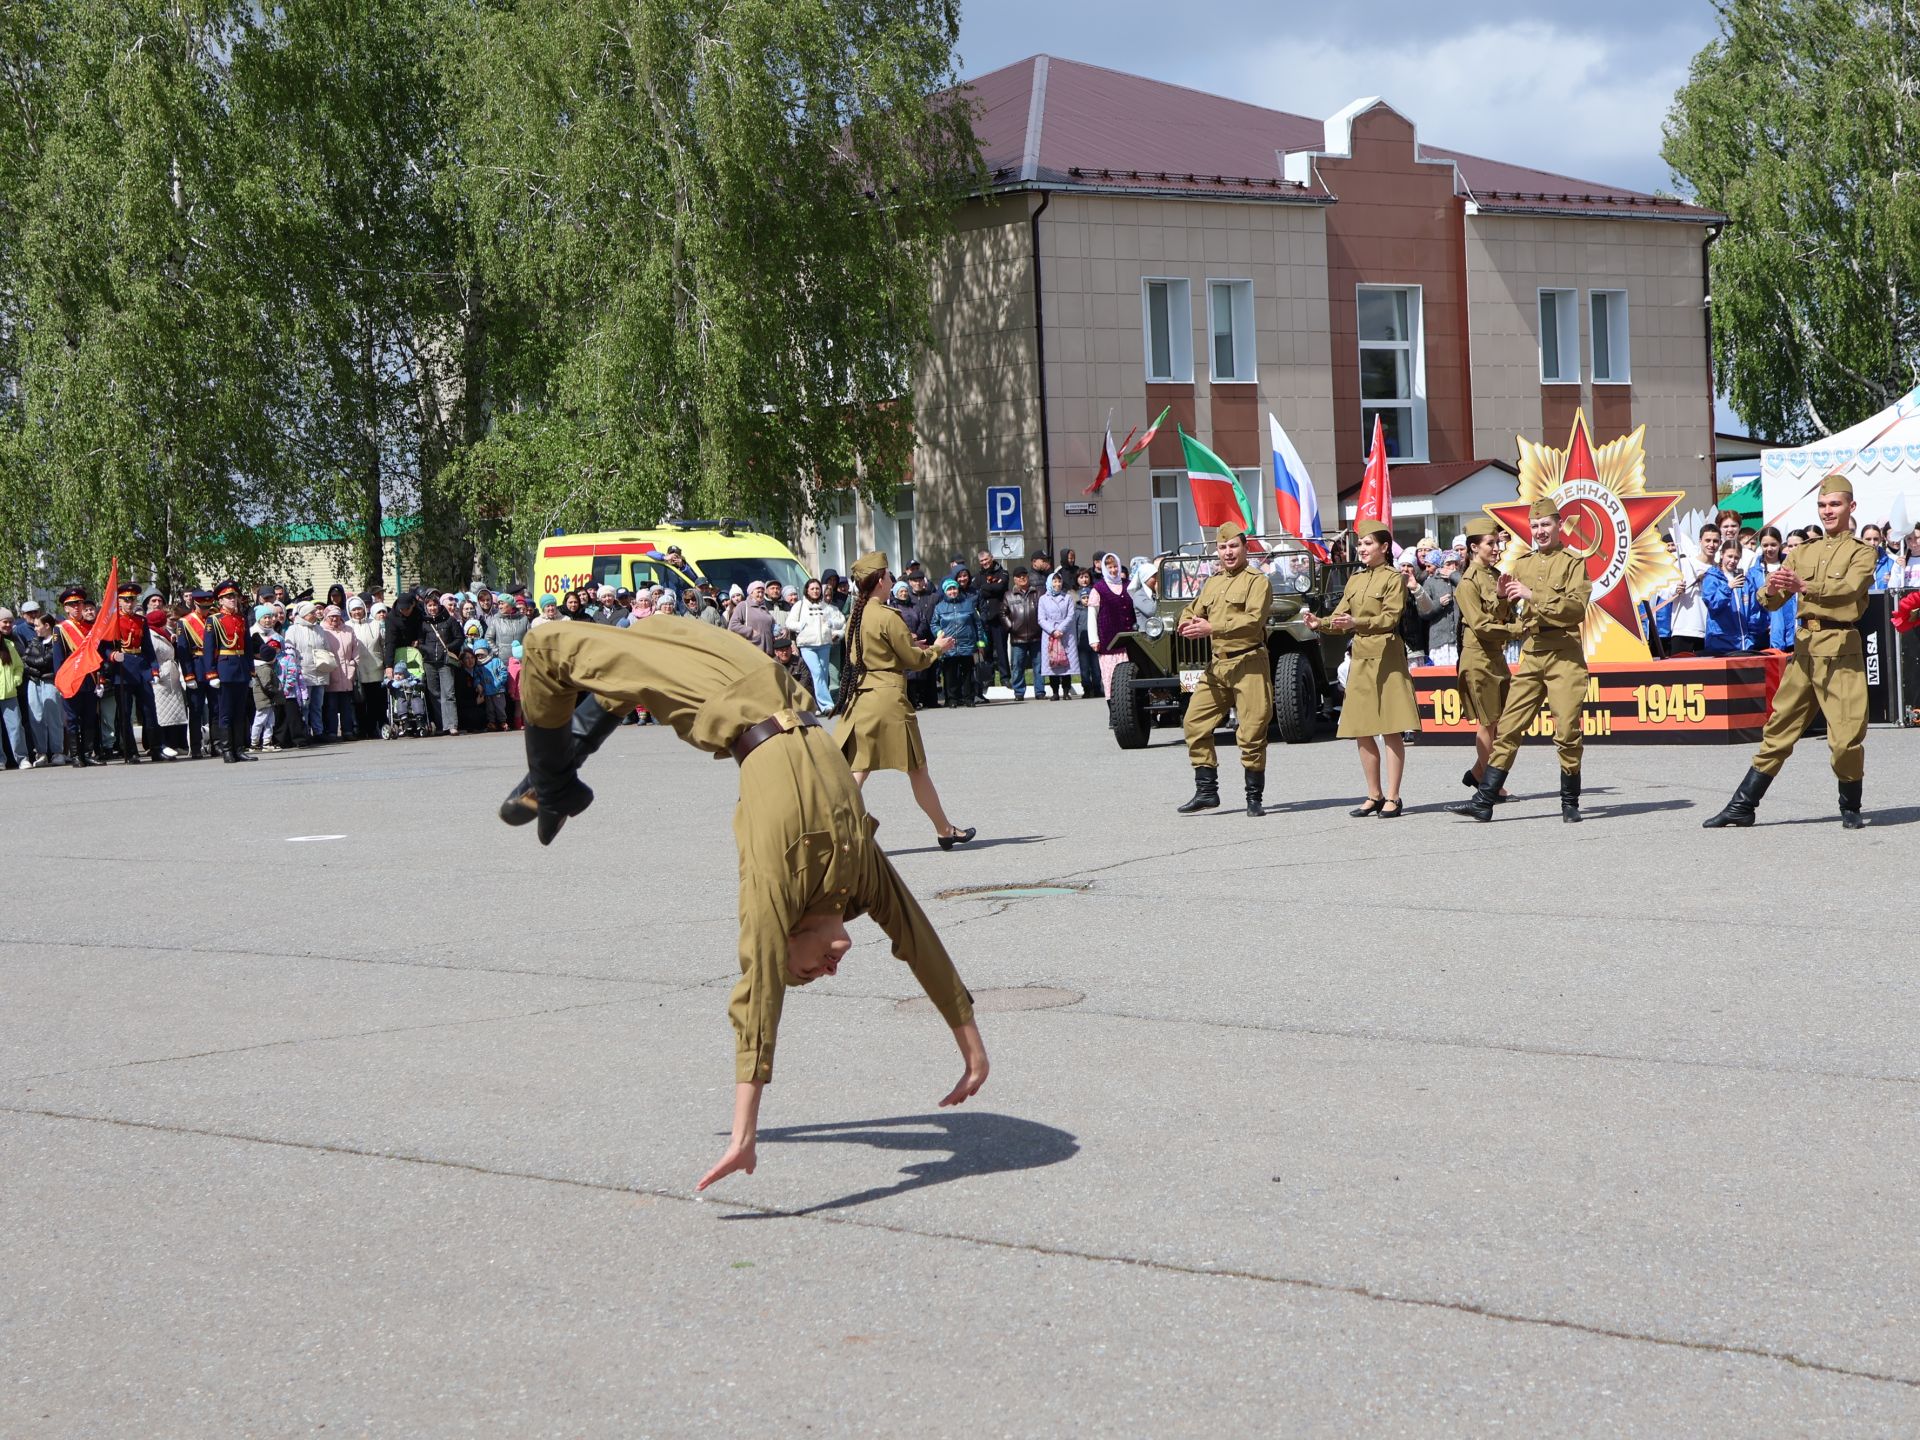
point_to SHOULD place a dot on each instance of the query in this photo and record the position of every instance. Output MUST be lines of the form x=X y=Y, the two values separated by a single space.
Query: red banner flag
x=1376 y=490
x=75 y=669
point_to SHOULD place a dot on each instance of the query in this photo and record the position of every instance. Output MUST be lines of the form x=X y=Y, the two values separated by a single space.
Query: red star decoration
x=1590 y=532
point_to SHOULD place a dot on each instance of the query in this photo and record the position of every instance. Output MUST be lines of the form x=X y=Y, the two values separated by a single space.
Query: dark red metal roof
x=1060 y=123
x=1425 y=480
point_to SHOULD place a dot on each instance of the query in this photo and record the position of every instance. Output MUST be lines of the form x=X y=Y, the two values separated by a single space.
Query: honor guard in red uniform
x=194 y=671
x=231 y=646
x=128 y=670
x=82 y=712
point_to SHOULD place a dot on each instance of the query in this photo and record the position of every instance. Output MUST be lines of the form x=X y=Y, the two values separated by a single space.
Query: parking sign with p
x=1003 y=510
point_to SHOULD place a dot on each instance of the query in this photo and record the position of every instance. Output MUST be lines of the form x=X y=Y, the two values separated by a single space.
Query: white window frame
x=840 y=537
x=1179 y=328
x=1251 y=482
x=1186 y=525
x=1415 y=344
x=1246 y=360
x=1619 y=342
x=894 y=534
x=1566 y=319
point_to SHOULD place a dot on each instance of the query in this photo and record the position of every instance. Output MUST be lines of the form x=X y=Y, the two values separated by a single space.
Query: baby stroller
x=406 y=705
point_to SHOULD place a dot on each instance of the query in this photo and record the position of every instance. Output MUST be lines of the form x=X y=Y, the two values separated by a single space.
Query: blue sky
x=1578 y=90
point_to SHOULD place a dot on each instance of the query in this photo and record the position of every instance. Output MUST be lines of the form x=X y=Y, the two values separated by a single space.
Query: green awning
x=1745 y=502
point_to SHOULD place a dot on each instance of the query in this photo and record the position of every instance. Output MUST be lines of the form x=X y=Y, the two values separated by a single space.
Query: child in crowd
x=513 y=683
x=490 y=674
x=266 y=694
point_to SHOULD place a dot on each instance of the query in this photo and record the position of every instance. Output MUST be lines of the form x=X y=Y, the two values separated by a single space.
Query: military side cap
x=867 y=566
x=226 y=588
x=1836 y=485
x=1375 y=530
x=73 y=594
x=1545 y=508
x=1231 y=530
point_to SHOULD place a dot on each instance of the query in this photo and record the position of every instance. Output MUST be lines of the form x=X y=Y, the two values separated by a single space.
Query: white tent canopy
x=1881 y=456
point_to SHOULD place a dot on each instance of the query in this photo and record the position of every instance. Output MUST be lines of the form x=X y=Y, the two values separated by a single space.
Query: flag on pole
x=1376 y=490
x=1133 y=450
x=1217 y=496
x=1295 y=507
x=1110 y=462
x=75 y=669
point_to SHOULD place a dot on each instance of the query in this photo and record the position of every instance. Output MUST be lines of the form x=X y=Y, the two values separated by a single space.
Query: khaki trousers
x=1837 y=683
x=1243 y=685
x=1554 y=673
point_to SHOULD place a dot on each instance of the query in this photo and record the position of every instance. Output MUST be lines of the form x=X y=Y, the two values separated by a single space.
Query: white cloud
x=1527 y=92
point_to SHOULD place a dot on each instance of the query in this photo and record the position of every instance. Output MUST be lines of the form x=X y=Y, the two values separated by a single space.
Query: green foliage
x=504 y=264
x=1801 y=123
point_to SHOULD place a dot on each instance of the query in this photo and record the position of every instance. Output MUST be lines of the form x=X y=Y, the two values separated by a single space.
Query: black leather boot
x=1480 y=807
x=1570 y=796
x=1256 y=793
x=1206 y=790
x=590 y=728
x=553 y=764
x=1739 y=811
x=1850 y=815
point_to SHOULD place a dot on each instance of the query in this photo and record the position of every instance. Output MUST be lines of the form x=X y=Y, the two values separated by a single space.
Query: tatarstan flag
x=1217 y=496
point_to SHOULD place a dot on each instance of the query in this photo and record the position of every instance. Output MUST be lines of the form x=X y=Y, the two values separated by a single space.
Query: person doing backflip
x=808 y=859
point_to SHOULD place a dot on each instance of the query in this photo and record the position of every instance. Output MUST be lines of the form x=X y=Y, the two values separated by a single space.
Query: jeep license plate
x=1191 y=680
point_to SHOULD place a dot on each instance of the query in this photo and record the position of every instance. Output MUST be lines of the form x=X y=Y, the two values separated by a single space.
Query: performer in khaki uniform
x=1553 y=588
x=808 y=859
x=878 y=729
x=1832 y=576
x=1486 y=629
x=1231 y=609
x=1380 y=699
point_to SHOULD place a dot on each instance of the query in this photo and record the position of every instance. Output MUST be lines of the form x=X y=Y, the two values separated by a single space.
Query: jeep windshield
x=1283 y=560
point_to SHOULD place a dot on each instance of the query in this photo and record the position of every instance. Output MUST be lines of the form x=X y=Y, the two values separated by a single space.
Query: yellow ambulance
x=716 y=551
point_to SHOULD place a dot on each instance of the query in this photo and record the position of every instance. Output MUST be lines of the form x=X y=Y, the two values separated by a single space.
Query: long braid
x=855 y=670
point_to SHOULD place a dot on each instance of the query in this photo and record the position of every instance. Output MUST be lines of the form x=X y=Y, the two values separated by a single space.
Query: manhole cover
x=1041 y=891
x=1003 y=1001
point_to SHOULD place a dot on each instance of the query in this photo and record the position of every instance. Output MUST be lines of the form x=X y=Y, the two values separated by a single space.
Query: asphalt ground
x=329 y=1104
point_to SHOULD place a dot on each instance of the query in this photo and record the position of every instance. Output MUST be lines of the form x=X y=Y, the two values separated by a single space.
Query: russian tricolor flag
x=1295 y=508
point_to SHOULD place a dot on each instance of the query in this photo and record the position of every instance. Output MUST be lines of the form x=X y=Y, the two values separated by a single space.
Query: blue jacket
x=960 y=619
x=491 y=673
x=1735 y=621
x=1781 y=623
x=1882 y=573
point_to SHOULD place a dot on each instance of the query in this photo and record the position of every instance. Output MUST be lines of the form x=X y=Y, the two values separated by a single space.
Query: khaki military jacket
x=1561 y=592
x=1838 y=571
x=1486 y=620
x=1376 y=598
x=1236 y=604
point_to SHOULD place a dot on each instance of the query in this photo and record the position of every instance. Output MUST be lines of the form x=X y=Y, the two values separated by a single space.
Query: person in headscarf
x=1057 y=647
x=1110 y=614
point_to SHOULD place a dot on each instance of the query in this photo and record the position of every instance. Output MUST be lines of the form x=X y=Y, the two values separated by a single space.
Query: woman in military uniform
x=1380 y=698
x=1486 y=629
x=878 y=729
x=808 y=859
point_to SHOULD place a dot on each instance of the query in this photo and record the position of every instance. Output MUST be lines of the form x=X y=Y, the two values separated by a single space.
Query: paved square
x=1344 y=1127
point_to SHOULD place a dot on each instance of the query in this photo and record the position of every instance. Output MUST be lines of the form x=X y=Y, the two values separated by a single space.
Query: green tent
x=1745 y=502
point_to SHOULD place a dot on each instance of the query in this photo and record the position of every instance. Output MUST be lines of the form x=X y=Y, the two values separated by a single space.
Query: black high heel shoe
x=1399 y=809
x=1371 y=808
x=958 y=837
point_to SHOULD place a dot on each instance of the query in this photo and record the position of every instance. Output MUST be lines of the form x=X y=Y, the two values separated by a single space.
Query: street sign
x=1003 y=510
x=1082 y=507
x=1007 y=545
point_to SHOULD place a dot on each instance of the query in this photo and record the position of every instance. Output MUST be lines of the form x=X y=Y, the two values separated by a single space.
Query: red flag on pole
x=1110 y=462
x=75 y=669
x=1376 y=491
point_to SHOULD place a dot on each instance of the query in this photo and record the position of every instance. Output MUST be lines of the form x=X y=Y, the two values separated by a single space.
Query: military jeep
x=1153 y=684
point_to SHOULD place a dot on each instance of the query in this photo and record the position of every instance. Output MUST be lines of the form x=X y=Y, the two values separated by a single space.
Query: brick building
x=1144 y=245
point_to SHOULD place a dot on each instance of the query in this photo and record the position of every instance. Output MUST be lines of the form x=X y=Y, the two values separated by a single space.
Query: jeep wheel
x=1296 y=699
x=1127 y=709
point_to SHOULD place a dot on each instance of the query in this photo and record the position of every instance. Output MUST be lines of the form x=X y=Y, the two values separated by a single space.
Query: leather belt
x=752 y=739
x=1814 y=622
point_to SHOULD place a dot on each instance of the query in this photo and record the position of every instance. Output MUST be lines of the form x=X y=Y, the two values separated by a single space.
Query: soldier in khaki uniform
x=808 y=860
x=1231 y=609
x=1380 y=701
x=1552 y=588
x=1832 y=576
x=1486 y=629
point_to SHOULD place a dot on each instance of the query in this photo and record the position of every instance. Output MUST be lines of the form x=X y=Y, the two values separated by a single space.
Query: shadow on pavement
x=966 y=1143
x=984 y=842
x=1904 y=815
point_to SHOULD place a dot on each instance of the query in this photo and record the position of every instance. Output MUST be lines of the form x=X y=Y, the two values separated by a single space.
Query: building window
x=1174 y=523
x=1393 y=371
x=1169 y=320
x=1559 y=337
x=1610 y=365
x=894 y=533
x=840 y=540
x=1254 y=482
x=1230 y=324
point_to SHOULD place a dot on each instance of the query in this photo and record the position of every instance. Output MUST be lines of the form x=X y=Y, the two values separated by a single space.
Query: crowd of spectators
x=427 y=662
